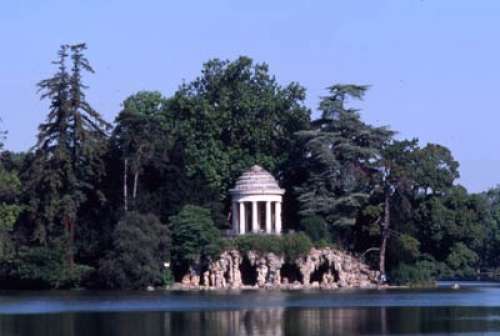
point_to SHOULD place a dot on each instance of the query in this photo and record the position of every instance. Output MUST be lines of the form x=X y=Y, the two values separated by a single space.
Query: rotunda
x=256 y=203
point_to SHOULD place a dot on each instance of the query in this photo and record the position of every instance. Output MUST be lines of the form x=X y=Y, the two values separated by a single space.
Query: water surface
x=472 y=310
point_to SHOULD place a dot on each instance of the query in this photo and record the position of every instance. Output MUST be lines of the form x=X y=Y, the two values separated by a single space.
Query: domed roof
x=256 y=180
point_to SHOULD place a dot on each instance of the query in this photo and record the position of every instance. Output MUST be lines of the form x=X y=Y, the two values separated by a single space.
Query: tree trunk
x=69 y=227
x=136 y=182
x=72 y=242
x=385 y=236
x=125 y=191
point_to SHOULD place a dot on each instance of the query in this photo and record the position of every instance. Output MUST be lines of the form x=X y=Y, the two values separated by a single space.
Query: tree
x=141 y=135
x=491 y=249
x=67 y=162
x=233 y=116
x=396 y=179
x=436 y=170
x=10 y=208
x=462 y=260
x=10 y=187
x=315 y=228
x=44 y=267
x=409 y=172
x=445 y=220
x=339 y=157
x=141 y=247
x=195 y=239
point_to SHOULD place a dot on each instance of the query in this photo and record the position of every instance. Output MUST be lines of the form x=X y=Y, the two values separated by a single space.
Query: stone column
x=234 y=217
x=255 y=223
x=268 y=217
x=242 y=218
x=278 y=217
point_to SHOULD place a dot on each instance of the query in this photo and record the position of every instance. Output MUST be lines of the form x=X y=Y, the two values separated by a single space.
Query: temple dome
x=256 y=181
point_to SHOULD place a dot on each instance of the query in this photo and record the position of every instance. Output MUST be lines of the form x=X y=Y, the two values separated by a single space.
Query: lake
x=474 y=309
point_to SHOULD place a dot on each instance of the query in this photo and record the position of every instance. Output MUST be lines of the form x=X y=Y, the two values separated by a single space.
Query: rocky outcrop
x=325 y=268
x=332 y=268
x=225 y=271
x=267 y=266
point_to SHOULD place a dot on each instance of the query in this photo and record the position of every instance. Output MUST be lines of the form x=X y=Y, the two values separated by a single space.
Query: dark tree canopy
x=141 y=248
x=67 y=161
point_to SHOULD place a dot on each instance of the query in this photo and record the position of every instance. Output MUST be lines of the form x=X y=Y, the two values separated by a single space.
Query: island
x=232 y=182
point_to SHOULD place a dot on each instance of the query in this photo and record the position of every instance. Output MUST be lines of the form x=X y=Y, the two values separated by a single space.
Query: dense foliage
x=139 y=253
x=195 y=238
x=94 y=206
x=291 y=246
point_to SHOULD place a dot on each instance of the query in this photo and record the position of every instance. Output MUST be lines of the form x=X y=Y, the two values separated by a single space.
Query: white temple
x=256 y=203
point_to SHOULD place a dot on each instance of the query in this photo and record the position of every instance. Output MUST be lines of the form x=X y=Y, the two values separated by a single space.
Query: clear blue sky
x=433 y=65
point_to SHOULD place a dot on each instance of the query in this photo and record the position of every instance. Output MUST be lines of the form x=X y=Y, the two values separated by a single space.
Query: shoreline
x=182 y=288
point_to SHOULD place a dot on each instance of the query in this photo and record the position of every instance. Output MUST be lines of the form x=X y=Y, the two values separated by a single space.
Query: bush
x=194 y=236
x=462 y=261
x=296 y=245
x=290 y=245
x=140 y=249
x=407 y=247
x=258 y=243
x=46 y=267
x=168 y=277
x=422 y=273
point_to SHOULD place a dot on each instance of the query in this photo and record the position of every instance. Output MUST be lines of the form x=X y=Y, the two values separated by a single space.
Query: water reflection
x=274 y=321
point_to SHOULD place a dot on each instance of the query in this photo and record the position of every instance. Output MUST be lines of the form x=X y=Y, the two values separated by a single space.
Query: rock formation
x=325 y=268
x=332 y=268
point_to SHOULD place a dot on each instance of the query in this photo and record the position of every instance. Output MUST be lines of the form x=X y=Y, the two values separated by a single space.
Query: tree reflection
x=269 y=321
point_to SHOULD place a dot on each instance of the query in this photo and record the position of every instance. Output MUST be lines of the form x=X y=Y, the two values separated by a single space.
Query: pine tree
x=67 y=163
x=340 y=156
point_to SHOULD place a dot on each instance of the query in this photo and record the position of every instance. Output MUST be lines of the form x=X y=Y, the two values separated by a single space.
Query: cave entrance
x=291 y=272
x=248 y=273
x=317 y=275
x=201 y=273
x=179 y=271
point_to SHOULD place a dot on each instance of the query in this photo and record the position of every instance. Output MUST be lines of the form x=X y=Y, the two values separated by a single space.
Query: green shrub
x=462 y=261
x=290 y=245
x=258 y=243
x=422 y=273
x=296 y=245
x=140 y=248
x=46 y=267
x=194 y=236
x=322 y=243
x=168 y=277
x=408 y=248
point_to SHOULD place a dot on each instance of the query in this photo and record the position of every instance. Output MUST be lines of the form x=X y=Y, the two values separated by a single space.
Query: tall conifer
x=341 y=154
x=67 y=163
